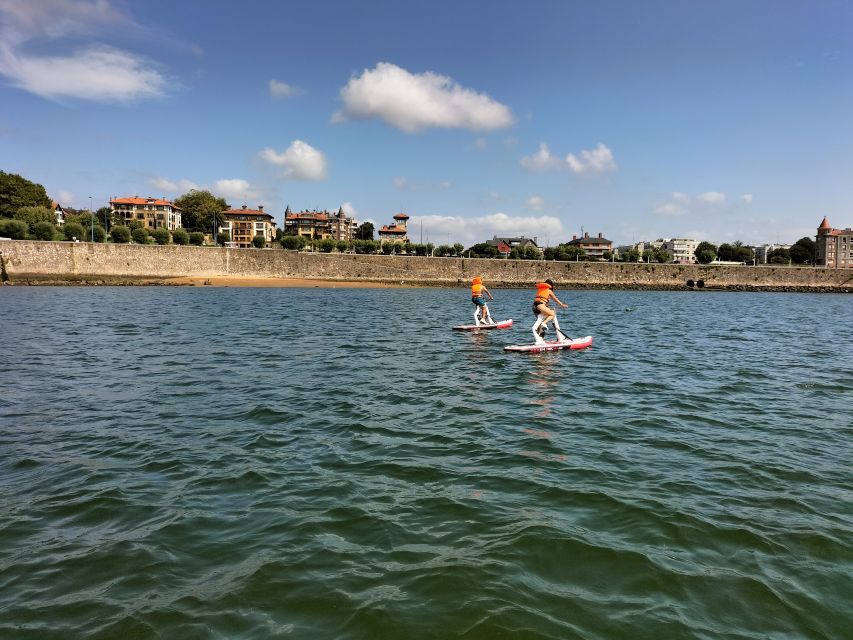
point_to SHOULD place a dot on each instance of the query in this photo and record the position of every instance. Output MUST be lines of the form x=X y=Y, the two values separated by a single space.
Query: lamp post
x=92 y=218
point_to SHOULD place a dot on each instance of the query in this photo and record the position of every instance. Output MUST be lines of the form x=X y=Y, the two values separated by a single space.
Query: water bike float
x=504 y=324
x=556 y=345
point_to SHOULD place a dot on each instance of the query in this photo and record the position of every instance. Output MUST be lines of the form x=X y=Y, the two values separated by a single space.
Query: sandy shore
x=230 y=281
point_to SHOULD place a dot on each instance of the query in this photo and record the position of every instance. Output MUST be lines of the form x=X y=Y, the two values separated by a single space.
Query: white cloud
x=234 y=189
x=349 y=210
x=469 y=231
x=403 y=184
x=300 y=160
x=597 y=160
x=413 y=102
x=64 y=198
x=535 y=203
x=480 y=144
x=677 y=205
x=747 y=198
x=712 y=197
x=228 y=188
x=283 y=90
x=542 y=160
x=95 y=72
x=171 y=186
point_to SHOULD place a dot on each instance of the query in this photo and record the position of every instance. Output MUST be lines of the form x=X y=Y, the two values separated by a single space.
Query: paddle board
x=577 y=343
x=503 y=324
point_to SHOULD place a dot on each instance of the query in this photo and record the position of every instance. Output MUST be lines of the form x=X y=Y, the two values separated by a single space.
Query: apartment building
x=153 y=213
x=319 y=225
x=593 y=247
x=396 y=232
x=243 y=224
x=834 y=246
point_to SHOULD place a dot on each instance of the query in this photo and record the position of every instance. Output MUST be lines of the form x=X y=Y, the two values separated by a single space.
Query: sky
x=720 y=121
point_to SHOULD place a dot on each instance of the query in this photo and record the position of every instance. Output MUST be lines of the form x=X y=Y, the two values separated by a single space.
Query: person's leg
x=476 y=314
x=487 y=314
x=537 y=338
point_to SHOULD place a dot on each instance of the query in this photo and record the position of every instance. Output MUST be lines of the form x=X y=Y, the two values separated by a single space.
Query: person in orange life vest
x=481 y=310
x=544 y=313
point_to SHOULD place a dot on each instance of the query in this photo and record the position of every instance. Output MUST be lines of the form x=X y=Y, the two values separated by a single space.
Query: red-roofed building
x=244 y=224
x=319 y=225
x=594 y=247
x=397 y=232
x=834 y=247
x=153 y=213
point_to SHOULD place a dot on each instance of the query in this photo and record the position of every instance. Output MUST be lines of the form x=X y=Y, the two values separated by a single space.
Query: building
x=243 y=224
x=153 y=213
x=397 y=232
x=593 y=247
x=682 y=250
x=506 y=245
x=59 y=212
x=319 y=225
x=834 y=247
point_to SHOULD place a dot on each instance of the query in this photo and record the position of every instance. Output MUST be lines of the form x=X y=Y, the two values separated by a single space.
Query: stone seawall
x=34 y=262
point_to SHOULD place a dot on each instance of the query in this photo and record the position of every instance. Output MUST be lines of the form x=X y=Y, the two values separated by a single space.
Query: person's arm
x=489 y=293
x=557 y=300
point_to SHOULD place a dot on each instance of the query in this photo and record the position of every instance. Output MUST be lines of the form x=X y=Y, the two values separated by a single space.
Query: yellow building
x=153 y=213
x=244 y=224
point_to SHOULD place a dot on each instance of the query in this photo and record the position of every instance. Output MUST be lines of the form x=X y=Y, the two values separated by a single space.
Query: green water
x=313 y=463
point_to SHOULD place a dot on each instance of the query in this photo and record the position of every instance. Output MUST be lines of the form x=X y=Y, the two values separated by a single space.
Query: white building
x=683 y=250
x=762 y=251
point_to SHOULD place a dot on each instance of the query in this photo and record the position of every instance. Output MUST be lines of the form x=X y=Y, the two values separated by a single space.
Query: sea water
x=337 y=463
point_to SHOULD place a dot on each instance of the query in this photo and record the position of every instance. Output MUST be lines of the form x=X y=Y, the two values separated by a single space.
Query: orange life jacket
x=477 y=290
x=543 y=293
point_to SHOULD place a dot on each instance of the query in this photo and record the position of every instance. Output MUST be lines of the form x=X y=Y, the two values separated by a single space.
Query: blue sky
x=715 y=120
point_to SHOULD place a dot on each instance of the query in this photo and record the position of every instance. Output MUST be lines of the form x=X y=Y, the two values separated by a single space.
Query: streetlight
x=92 y=218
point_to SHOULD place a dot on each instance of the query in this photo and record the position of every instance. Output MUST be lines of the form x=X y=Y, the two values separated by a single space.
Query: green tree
x=199 y=208
x=161 y=236
x=16 y=192
x=326 y=245
x=180 y=236
x=342 y=245
x=531 y=253
x=259 y=242
x=196 y=238
x=104 y=216
x=139 y=235
x=120 y=234
x=15 y=229
x=44 y=231
x=96 y=234
x=73 y=230
x=706 y=252
x=364 y=231
x=458 y=248
x=779 y=256
x=292 y=242
x=483 y=250
x=33 y=215
x=222 y=238
x=725 y=252
x=803 y=251
x=631 y=255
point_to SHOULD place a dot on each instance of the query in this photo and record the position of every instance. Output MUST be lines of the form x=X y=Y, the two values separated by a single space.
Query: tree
x=531 y=253
x=104 y=216
x=259 y=242
x=364 y=231
x=458 y=248
x=342 y=245
x=779 y=256
x=725 y=251
x=196 y=238
x=706 y=252
x=96 y=234
x=803 y=251
x=326 y=245
x=33 y=215
x=483 y=250
x=631 y=255
x=180 y=236
x=120 y=234
x=16 y=192
x=292 y=242
x=161 y=236
x=73 y=230
x=199 y=209
x=139 y=235
x=44 y=231
x=15 y=229
x=222 y=238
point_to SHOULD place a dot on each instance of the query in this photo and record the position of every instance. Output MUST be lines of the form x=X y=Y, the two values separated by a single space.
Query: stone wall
x=34 y=261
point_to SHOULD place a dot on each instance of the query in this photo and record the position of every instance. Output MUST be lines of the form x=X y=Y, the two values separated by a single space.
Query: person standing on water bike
x=481 y=310
x=544 y=313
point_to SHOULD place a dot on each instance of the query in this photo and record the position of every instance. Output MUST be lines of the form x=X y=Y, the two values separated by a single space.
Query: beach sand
x=231 y=281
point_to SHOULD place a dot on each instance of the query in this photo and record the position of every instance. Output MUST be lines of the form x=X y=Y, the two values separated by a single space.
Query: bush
x=342 y=245
x=120 y=234
x=196 y=238
x=259 y=242
x=179 y=236
x=140 y=235
x=326 y=245
x=99 y=234
x=73 y=230
x=34 y=215
x=44 y=231
x=292 y=242
x=223 y=237
x=15 y=229
x=161 y=236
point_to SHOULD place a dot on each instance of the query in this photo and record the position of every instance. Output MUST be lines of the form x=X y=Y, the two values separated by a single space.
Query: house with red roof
x=153 y=213
x=243 y=224
x=834 y=247
x=397 y=232
x=319 y=225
